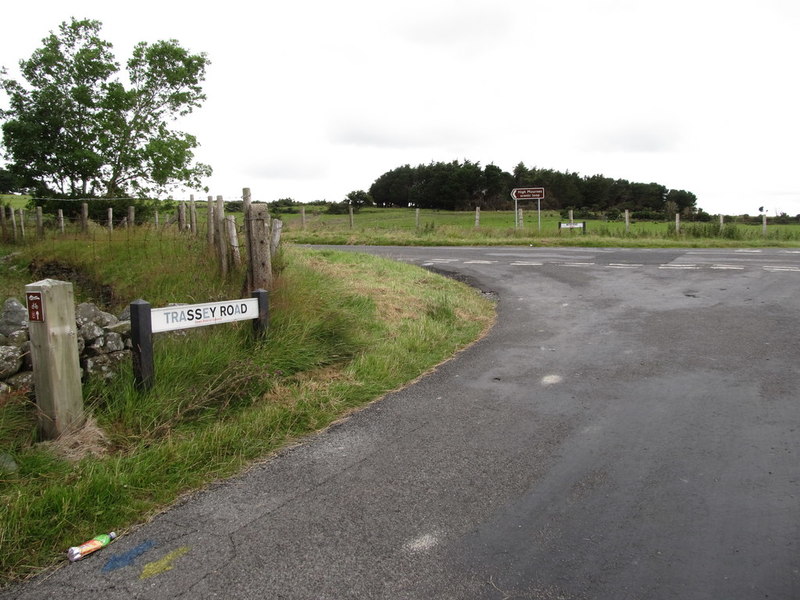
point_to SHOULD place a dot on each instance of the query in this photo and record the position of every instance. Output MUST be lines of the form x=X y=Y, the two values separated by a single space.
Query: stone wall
x=103 y=342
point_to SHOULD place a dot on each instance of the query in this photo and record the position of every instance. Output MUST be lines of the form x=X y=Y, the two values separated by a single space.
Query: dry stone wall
x=103 y=342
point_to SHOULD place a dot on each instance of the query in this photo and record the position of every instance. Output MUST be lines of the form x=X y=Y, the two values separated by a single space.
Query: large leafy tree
x=75 y=129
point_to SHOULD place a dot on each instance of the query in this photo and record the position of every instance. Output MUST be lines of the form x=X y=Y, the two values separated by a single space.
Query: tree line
x=466 y=185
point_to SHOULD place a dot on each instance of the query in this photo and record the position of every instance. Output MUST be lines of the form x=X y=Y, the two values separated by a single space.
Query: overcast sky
x=312 y=99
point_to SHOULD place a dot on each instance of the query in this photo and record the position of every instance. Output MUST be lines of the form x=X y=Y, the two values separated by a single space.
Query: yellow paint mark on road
x=163 y=565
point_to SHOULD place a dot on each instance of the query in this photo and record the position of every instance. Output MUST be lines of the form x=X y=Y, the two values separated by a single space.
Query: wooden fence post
x=627 y=221
x=677 y=223
x=233 y=240
x=259 y=247
x=192 y=215
x=13 y=222
x=110 y=219
x=219 y=235
x=303 y=218
x=261 y=324
x=85 y=217
x=247 y=201
x=54 y=351
x=416 y=218
x=350 y=210
x=763 y=225
x=22 y=224
x=39 y=223
x=3 y=225
x=131 y=216
x=477 y=216
x=60 y=220
x=210 y=222
x=276 y=226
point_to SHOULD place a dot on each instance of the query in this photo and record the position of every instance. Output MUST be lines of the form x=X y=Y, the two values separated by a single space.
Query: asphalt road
x=628 y=429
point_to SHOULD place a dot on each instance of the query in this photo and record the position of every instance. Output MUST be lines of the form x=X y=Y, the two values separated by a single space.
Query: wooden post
x=303 y=218
x=131 y=216
x=3 y=225
x=192 y=215
x=233 y=239
x=181 y=216
x=13 y=222
x=677 y=223
x=416 y=219
x=54 y=351
x=763 y=226
x=142 y=345
x=22 y=224
x=477 y=216
x=60 y=220
x=259 y=249
x=350 y=210
x=85 y=217
x=247 y=201
x=39 y=223
x=276 y=226
x=219 y=235
x=721 y=222
x=110 y=219
x=520 y=220
x=210 y=222
x=627 y=221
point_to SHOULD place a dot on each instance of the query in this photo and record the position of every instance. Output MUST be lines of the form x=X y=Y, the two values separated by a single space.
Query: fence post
x=192 y=215
x=259 y=247
x=60 y=220
x=54 y=351
x=627 y=221
x=721 y=222
x=763 y=226
x=181 y=216
x=303 y=218
x=13 y=222
x=85 y=217
x=39 y=223
x=22 y=224
x=233 y=240
x=677 y=223
x=416 y=218
x=142 y=342
x=350 y=210
x=261 y=323
x=276 y=226
x=131 y=216
x=3 y=220
x=210 y=222
x=246 y=206
x=110 y=219
x=219 y=235
x=477 y=216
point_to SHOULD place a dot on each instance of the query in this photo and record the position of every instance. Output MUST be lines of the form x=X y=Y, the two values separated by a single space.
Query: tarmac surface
x=628 y=429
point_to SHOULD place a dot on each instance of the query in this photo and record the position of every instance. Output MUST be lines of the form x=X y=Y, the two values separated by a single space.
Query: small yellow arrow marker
x=163 y=565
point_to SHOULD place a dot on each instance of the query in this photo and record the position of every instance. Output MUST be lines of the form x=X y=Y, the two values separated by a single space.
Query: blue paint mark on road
x=118 y=561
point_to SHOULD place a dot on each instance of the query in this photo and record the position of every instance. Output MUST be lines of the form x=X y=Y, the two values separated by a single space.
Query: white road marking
x=422 y=543
x=551 y=379
x=774 y=269
x=576 y=264
x=744 y=251
x=444 y=260
x=624 y=265
x=522 y=263
x=727 y=267
x=480 y=262
x=678 y=267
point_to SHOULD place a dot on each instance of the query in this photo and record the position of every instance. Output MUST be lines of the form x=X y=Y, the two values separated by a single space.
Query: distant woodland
x=466 y=185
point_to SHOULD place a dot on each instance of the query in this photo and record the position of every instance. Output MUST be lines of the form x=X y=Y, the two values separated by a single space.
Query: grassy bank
x=222 y=399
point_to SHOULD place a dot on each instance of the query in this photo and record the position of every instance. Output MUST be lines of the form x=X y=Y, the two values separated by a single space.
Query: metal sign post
x=531 y=193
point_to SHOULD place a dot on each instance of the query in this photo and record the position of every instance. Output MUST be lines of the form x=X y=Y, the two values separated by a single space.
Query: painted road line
x=727 y=267
x=577 y=264
x=443 y=260
x=523 y=263
x=746 y=251
x=624 y=265
x=775 y=269
x=480 y=262
x=686 y=267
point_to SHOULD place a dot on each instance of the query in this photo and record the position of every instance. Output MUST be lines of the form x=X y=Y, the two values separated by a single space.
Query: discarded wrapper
x=100 y=541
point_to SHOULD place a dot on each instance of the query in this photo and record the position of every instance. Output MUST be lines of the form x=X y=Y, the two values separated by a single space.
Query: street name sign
x=184 y=316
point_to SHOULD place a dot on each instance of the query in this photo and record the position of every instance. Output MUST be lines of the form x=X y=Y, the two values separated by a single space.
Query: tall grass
x=222 y=398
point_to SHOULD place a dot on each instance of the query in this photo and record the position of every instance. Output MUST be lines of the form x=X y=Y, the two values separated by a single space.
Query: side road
x=627 y=430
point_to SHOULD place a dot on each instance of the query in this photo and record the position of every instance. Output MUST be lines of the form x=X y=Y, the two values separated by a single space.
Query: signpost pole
x=261 y=322
x=142 y=341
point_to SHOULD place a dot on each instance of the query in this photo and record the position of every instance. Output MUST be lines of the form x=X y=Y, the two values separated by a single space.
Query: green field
x=402 y=227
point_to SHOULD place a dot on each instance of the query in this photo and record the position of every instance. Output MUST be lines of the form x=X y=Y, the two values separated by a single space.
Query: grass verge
x=222 y=399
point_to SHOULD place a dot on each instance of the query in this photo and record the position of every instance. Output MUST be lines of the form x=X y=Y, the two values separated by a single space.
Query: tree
x=358 y=199
x=75 y=130
x=8 y=182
